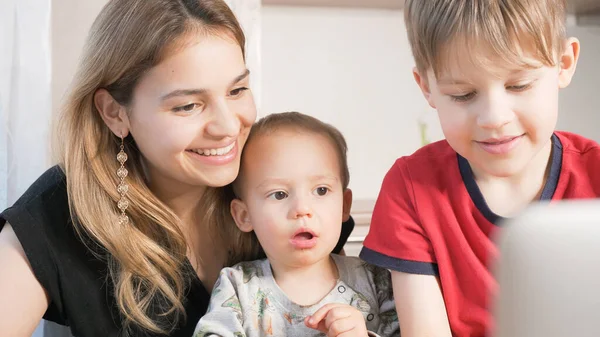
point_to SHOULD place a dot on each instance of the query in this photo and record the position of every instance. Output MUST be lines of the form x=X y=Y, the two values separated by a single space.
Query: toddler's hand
x=338 y=320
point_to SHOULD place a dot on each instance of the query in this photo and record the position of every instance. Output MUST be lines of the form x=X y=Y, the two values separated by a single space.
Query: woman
x=125 y=237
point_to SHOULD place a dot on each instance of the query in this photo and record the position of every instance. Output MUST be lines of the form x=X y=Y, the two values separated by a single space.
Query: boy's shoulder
x=577 y=144
x=433 y=153
x=580 y=165
x=431 y=163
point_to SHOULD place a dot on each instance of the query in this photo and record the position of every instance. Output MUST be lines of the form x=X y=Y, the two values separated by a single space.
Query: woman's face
x=191 y=114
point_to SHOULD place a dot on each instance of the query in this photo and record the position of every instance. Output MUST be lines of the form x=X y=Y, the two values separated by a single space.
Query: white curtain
x=25 y=101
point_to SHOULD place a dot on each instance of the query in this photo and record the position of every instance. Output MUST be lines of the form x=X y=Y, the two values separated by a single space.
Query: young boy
x=492 y=70
x=291 y=195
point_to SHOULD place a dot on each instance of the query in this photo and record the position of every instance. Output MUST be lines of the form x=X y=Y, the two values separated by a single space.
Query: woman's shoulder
x=43 y=208
x=49 y=190
x=41 y=220
x=42 y=212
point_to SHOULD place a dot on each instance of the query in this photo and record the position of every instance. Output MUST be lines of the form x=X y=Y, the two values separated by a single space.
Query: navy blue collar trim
x=477 y=197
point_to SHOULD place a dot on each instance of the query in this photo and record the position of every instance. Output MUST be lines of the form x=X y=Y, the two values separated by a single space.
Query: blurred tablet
x=549 y=272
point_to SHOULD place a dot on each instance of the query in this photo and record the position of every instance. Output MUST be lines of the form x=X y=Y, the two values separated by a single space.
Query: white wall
x=349 y=67
x=71 y=21
x=580 y=101
x=352 y=68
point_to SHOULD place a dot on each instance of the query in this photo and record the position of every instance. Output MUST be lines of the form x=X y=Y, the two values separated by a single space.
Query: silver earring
x=122 y=188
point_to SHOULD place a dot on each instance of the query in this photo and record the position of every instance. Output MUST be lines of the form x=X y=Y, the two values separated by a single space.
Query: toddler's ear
x=239 y=212
x=347 y=205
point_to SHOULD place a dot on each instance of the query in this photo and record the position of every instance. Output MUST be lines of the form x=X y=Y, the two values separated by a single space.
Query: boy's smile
x=501 y=145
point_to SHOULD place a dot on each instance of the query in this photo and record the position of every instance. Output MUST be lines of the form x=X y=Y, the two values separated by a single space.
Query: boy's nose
x=494 y=113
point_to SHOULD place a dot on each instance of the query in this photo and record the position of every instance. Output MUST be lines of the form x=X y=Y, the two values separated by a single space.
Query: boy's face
x=499 y=118
x=292 y=196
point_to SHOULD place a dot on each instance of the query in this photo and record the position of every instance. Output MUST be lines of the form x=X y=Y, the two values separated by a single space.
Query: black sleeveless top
x=76 y=282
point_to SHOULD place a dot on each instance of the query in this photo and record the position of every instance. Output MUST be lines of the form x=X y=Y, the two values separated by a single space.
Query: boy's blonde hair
x=507 y=30
x=245 y=246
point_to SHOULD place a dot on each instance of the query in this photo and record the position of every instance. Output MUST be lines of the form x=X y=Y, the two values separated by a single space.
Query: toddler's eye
x=321 y=191
x=279 y=195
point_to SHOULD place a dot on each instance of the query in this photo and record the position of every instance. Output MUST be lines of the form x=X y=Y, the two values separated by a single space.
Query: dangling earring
x=122 y=188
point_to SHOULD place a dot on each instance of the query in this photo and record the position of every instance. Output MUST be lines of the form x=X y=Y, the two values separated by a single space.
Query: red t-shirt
x=431 y=218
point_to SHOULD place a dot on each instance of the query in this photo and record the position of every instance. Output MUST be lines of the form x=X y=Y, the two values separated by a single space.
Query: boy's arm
x=224 y=316
x=397 y=241
x=420 y=305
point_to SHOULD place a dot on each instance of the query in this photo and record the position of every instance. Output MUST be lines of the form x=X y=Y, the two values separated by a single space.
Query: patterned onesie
x=246 y=301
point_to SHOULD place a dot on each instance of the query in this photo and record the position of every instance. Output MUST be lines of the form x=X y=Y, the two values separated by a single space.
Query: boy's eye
x=463 y=98
x=187 y=108
x=237 y=92
x=519 y=87
x=321 y=191
x=279 y=195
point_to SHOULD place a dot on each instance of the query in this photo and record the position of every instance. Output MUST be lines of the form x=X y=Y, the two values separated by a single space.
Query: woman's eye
x=238 y=91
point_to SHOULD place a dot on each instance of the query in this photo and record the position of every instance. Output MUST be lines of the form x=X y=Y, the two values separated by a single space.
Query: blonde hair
x=506 y=29
x=146 y=257
x=245 y=246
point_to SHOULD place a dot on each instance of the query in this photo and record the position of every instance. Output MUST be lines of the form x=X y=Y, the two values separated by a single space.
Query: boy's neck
x=507 y=196
x=295 y=282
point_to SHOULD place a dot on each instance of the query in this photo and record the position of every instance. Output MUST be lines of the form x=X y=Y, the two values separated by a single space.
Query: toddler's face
x=292 y=196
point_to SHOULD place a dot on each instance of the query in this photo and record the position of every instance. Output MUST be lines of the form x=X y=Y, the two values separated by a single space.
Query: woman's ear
x=239 y=212
x=113 y=114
